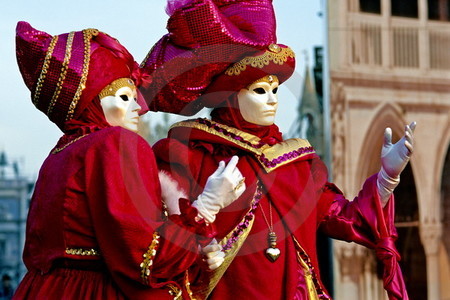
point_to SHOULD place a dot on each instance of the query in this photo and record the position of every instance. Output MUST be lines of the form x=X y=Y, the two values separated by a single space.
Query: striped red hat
x=66 y=72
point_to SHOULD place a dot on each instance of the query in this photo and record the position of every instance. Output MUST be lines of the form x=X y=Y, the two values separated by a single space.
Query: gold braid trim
x=62 y=75
x=46 y=64
x=56 y=150
x=82 y=252
x=87 y=34
x=275 y=54
x=147 y=263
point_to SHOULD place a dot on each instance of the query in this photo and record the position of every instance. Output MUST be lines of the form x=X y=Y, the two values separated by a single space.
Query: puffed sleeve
x=365 y=222
x=138 y=245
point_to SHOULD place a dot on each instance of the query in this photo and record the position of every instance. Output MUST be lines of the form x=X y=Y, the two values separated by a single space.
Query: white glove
x=394 y=158
x=214 y=255
x=224 y=186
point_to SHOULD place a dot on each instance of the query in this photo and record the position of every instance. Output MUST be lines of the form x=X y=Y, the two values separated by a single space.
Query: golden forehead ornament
x=113 y=87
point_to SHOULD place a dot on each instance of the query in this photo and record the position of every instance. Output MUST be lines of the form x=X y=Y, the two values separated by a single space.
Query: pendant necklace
x=272 y=253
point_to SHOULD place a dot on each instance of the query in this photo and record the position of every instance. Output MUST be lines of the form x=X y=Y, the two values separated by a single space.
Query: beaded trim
x=273 y=54
x=56 y=150
x=62 y=75
x=175 y=291
x=87 y=34
x=40 y=81
x=147 y=263
x=82 y=252
x=239 y=229
x=285 y=157
x=187 y=284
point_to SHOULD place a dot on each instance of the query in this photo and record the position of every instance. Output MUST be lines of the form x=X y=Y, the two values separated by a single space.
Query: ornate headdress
x=276 y=62
x=206 y=38
x=66 y=72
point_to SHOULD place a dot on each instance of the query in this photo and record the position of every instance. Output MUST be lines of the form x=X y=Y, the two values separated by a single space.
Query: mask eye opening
x=124 y=97
x=259 y=91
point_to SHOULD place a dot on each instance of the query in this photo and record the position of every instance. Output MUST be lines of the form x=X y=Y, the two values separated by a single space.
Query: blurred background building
x=389 y=64
x=14 y=201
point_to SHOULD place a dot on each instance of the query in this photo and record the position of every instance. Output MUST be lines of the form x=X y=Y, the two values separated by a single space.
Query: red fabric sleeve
x=123 y=191
x=365 y=222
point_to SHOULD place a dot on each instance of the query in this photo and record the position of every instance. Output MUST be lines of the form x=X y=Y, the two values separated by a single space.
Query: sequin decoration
x=147 y=264
x=82 y=252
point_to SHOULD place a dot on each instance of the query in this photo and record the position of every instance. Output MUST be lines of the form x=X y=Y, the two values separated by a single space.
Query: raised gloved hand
x=224 y=186
x=214 y=255
x=394 y=158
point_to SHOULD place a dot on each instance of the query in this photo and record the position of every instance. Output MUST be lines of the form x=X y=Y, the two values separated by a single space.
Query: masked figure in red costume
x=268 y=236
x=94 y=229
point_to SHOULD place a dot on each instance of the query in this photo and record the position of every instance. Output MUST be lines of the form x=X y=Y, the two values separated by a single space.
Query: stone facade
x=389 y=66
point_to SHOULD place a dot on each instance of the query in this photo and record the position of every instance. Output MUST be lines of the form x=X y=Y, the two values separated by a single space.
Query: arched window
x=409 y=245
x=445 y=196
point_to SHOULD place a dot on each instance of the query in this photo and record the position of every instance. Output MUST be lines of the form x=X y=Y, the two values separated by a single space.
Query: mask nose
x=273 y=99
x=134 y=106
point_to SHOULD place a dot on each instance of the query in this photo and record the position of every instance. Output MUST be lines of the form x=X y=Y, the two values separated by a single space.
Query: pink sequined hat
x=66 y=72
x=207 y=37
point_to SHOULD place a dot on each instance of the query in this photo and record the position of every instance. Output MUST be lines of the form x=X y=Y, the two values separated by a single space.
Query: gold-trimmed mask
x=113 y=87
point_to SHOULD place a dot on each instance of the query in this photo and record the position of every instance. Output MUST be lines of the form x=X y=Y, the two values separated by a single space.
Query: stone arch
x=407 y=218
x=386 y=115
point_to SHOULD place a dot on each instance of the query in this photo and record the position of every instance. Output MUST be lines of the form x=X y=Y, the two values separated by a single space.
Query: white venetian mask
x=258 y=102
x=119 y=105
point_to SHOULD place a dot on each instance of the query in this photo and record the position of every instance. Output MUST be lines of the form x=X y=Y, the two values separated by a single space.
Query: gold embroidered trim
x=250 y=142
x=56 y=150
x=62 y=75
x=204 y=289
x=175 y=292
x=315 y=290
x=40 y=82
x=87 y=35
x=147 y=263
x=270 y=157
x=274 y=54
x=82 y=252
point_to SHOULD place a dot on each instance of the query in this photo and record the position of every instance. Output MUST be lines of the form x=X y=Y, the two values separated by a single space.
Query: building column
x=430 y=234
x=351 y=264
x=424 y=36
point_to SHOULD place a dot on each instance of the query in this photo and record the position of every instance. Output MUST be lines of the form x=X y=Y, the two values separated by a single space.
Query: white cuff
x=386 y=185
x=203 y=212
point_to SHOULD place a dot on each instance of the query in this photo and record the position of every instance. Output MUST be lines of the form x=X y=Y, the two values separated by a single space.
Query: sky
x=26 y=134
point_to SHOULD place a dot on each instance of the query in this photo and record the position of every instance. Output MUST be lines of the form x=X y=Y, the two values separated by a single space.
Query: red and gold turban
x=206 y=39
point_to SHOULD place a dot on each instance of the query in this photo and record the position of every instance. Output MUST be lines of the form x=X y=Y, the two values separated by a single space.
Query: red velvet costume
x=89 y=196
x=94 y=229
x=302 y=199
